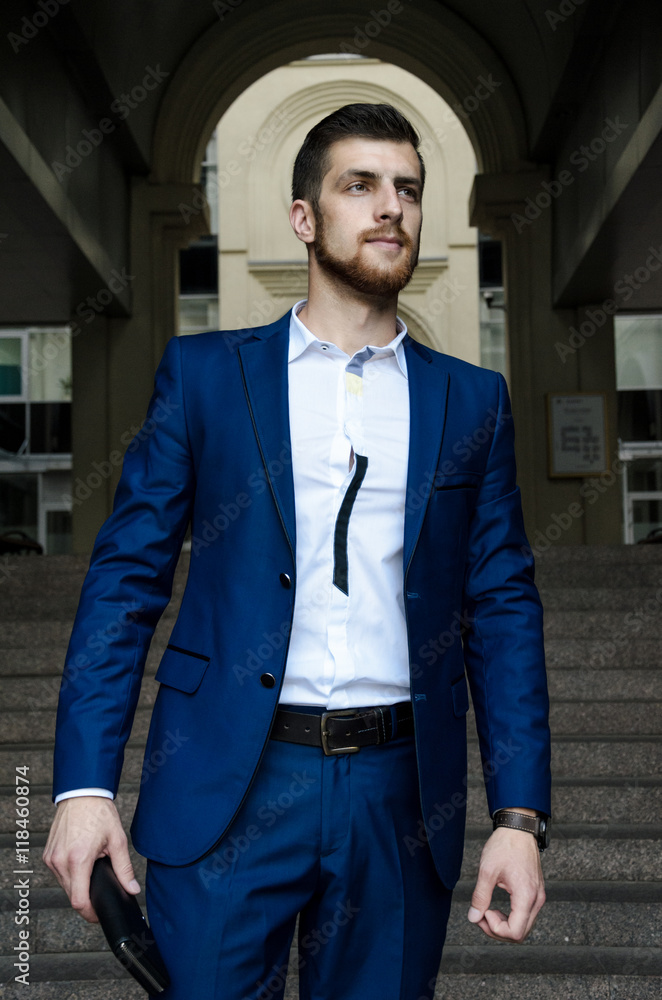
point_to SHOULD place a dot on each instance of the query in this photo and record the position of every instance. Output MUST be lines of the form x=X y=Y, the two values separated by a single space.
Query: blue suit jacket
x=215 y=451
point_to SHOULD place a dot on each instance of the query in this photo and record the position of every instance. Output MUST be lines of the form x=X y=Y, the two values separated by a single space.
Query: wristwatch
x=539 y=825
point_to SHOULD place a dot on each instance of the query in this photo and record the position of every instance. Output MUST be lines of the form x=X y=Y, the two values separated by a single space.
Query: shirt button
x=325 y=347
x=267 y=680
x=286 y=580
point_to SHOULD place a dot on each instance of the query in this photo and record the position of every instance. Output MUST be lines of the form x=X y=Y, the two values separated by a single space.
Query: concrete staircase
x=599 y=935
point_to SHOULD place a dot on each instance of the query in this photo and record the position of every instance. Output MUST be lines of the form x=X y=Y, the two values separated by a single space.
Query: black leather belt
x=345 y=730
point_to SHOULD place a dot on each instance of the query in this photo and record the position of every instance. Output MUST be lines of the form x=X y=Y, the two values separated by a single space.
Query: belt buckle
x=329 y=751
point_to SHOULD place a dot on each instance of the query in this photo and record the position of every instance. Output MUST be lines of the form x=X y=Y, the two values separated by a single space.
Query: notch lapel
x=264 y=370
x=428 y=394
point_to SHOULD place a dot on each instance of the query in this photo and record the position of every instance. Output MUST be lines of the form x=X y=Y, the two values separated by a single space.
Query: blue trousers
x=319 y=837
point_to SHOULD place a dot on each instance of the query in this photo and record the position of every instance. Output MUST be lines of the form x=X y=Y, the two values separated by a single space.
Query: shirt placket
x=351 y=439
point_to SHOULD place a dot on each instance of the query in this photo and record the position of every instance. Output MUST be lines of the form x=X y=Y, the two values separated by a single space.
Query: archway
x=429 y=41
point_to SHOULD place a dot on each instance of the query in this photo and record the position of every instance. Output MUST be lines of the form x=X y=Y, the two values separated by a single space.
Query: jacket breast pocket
x=460 y=695
x=457 y=481
x=182 y=669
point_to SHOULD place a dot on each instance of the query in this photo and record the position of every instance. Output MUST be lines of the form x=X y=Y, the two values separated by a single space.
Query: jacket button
x=286 y=580
x=267 y=680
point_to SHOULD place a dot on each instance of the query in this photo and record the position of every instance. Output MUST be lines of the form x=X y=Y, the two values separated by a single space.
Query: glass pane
x=11 y=381
x=638 y=341
x=58 y=532
x=647 y=515
x=18 y=506
x=49 y=354
x=12 y=427
x=198 y=314
x=493 y=330
x=640 y=415
x=645 y=475
x=50 y=428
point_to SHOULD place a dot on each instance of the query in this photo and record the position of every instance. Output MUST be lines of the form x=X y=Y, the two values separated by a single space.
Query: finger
x=482 y=896
x=79 y=889
x=517 y=926
x=118 y=851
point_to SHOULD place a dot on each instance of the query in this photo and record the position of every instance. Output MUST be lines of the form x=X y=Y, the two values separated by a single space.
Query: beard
x=371 y=278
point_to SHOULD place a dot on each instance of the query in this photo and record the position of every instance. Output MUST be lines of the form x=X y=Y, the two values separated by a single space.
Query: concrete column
x=114 y=370
x=517 y=209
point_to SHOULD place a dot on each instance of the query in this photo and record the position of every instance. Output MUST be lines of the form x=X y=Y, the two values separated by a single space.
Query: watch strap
x=516 y=821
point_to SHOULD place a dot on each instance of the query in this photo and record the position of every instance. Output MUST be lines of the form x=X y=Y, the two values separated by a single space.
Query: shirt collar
x=301 y=338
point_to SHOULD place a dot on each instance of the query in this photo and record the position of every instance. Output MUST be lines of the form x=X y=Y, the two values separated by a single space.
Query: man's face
x=367 y=229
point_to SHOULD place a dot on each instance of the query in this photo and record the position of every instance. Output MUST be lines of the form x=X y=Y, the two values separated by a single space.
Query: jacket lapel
x=428 y=393
x=264 y=369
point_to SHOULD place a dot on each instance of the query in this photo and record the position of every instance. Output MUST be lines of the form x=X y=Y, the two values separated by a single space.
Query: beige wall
x=262 y=266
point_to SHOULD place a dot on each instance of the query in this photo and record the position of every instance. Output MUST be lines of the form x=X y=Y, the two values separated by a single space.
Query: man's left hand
x=511 y=860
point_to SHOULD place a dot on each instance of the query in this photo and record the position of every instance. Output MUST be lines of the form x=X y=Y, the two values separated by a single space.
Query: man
x=307 y=751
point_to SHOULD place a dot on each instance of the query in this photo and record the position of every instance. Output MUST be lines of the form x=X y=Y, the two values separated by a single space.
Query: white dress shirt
x=348 y=646
x=349 y=426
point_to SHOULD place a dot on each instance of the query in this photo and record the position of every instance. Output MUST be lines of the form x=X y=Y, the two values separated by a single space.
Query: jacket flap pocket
x=457 y=480
x=182 y=669
x=460 y=695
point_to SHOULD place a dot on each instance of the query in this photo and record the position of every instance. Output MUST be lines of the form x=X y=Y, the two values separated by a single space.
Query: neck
x=348 y=318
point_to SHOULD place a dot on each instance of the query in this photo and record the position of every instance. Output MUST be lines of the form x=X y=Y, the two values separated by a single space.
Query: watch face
x=544 y=833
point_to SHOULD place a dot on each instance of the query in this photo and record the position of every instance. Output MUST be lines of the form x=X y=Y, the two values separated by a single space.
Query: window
x=35 y=392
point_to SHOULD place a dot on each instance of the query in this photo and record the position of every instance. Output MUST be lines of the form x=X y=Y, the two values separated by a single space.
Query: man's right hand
x=86 y=828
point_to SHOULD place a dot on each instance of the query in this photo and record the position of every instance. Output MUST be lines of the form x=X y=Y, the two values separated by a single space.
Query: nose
x=389 y=205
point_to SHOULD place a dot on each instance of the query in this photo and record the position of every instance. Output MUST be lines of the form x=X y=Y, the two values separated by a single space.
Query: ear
x=302 y=220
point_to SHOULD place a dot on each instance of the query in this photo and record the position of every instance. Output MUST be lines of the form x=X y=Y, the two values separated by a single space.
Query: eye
x=409 y=193
x=357 y=186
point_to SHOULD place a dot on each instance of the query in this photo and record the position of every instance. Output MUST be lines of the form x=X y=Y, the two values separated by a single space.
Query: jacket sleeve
x=503 y=645
x=128 y=584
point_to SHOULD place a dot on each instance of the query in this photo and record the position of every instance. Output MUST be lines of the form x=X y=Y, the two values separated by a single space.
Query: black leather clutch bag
x=126 y=929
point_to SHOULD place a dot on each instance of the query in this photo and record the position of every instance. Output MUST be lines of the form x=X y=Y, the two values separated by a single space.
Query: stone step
x=623 y=599
x=609 y=854
x=607 y=627
x=449 y=987
x=523 y=986
x=609 y=801
x=608 y=718
x=39 y=691
x=632 y=966
x=640 y=653
x=570 y=684
x=602 y=920
x=572 y=756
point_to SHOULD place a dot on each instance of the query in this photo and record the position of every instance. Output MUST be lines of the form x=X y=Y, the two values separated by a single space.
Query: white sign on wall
x=577 y=429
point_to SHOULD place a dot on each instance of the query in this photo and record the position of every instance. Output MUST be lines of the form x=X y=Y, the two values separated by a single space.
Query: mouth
x=390 y=242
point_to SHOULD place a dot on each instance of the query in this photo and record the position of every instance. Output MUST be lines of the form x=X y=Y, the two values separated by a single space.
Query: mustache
x=393 y=231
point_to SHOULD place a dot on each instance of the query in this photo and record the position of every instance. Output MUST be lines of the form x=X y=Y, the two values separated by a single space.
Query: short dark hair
x=364 y=121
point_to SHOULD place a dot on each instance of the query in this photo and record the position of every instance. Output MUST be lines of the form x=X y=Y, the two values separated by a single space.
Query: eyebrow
x=370 y=175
